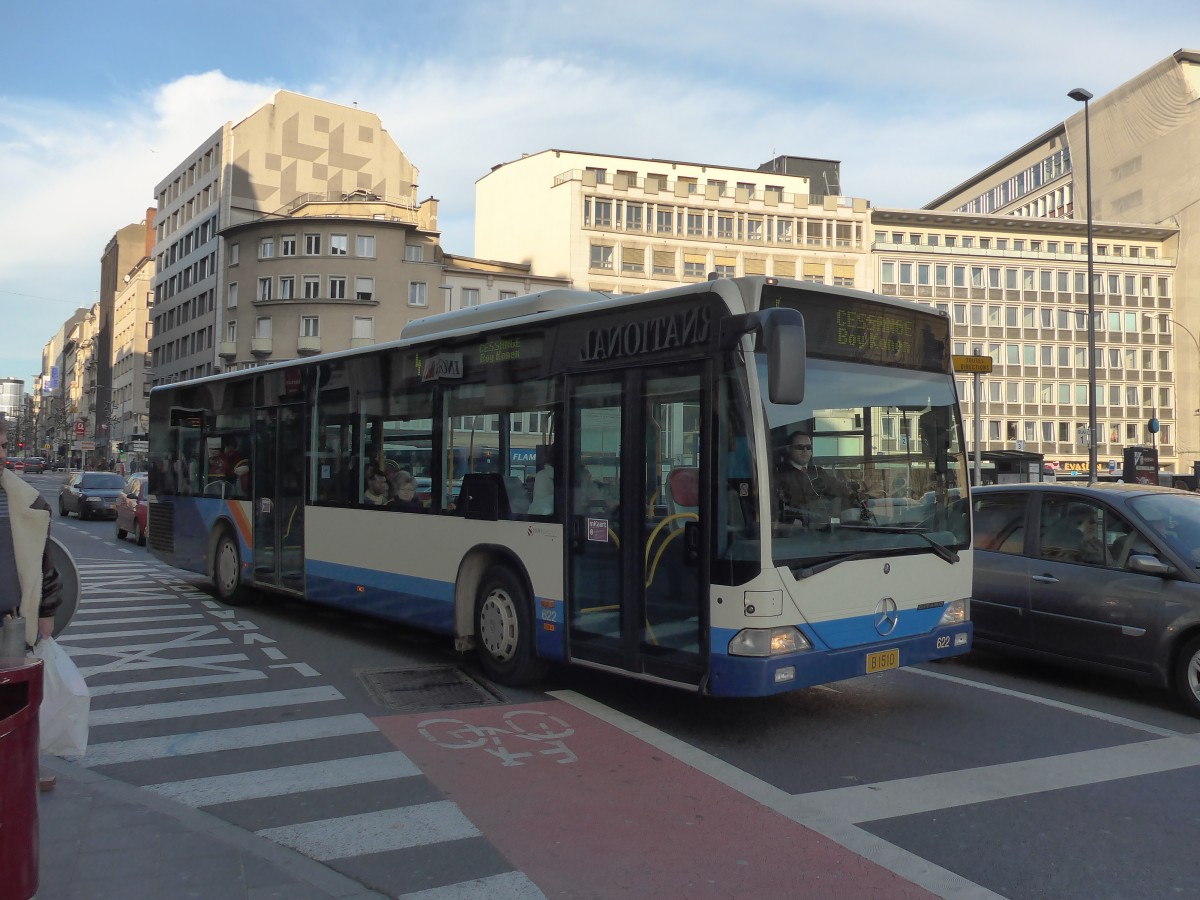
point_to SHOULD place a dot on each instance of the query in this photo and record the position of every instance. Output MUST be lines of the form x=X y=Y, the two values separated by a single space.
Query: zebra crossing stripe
x=288 y=779
x=163 y=684
x=377 y=832
x=178 y=709
x=92 y=623
x=195 y=742
x=507 y=886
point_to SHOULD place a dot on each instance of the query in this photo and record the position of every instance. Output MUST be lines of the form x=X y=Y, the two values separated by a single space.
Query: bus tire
x=504 y=629
x=226 y=572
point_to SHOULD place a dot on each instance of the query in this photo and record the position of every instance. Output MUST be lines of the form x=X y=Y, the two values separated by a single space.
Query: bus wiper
x=940 y=549
x=817 y=568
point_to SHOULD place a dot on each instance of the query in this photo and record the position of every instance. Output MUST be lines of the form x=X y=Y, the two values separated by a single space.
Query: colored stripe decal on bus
x=241 y=521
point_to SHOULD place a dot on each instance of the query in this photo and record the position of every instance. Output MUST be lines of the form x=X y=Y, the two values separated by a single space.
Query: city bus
x=603 y=484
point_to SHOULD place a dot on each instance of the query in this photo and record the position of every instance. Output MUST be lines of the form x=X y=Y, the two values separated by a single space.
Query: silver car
x=1104 y=576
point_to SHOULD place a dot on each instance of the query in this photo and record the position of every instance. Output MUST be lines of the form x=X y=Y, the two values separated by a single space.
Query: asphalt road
x=981 y=777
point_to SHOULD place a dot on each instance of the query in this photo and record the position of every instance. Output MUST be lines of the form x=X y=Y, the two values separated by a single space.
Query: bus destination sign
x=849 y=328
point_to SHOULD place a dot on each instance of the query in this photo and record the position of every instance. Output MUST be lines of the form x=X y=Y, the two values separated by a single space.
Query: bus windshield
x=872 y=462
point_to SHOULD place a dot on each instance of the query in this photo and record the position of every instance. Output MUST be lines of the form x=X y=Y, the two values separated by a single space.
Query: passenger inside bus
x=406 y=493
x=378 y=492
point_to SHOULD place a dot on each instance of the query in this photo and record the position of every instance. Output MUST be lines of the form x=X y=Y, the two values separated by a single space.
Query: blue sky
x=100 y=101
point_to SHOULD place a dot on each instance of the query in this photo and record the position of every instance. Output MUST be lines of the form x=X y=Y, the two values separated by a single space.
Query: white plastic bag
x=66 y=702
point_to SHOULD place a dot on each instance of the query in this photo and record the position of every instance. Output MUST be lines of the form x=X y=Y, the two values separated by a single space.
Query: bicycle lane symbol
x=542 y=729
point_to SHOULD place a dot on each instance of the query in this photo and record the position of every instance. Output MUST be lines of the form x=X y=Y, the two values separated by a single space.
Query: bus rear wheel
x=504 y=629
x=226 y=572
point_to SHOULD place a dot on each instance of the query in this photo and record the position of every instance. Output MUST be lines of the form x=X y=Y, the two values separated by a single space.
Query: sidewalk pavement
x=104 y=839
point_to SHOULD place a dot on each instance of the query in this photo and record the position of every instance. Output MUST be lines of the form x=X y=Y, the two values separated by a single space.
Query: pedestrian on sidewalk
x=30 y=586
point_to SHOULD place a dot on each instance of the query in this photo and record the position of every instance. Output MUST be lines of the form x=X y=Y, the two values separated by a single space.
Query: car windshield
x=1175 y=518
x=102 y=481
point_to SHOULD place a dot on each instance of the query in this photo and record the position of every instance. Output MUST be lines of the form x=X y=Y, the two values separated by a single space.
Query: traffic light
x=20 y=445
x=121 y=447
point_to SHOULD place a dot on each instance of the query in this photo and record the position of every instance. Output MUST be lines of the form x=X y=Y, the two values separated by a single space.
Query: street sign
x=980 y=364
x=80 y=428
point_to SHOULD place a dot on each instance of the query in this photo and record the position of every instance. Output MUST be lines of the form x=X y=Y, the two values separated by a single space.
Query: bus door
x=637 y=568
x=278 y=477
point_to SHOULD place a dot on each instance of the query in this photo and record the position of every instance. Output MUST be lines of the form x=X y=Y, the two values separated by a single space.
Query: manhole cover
x=428 y=687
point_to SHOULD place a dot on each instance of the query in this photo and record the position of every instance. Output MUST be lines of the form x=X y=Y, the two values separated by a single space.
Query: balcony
x=361 y=341
x=260 y=346
x=307 y=346
x=228 y=350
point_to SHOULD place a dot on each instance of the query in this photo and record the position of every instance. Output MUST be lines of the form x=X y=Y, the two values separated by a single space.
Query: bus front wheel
x=226 y=572
x=504 y=629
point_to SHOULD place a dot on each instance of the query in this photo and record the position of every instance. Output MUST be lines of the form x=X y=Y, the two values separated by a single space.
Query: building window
x=310 y=326
x=604 y=213
x=633 y=217
x=664 y=262
x=337 y=287
x=234 y=254
x=339 y=244
x=231 y=331
x=287 y=287
x=665 y=219
x=312 y=244
x=363 y=328
x=264 y=289
x=364 y=288
x=507 y=295
x=416 y=294
x=312 y=287
x=287 y=245
x=633 y=259
x=262 y=328
x=364 y=245
x=693 y=269
x=470 y=297
x=231 y=297
x=266 y=248
x=414 y=253
x=601 y=257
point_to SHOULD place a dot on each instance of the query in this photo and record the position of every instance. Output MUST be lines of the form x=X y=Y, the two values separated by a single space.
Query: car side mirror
x=1150 y=565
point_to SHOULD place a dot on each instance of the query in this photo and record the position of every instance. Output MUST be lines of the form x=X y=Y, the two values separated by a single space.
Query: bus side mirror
x=781 y=335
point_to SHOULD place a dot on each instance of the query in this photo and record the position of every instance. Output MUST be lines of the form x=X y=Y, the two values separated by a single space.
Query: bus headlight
x=768 y=641
x=956 y=612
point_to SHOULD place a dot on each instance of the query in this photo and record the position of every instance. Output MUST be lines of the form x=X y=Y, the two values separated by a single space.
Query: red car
x=132 y=510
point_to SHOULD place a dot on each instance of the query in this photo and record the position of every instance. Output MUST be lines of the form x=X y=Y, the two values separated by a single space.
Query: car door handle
x=1045 y=579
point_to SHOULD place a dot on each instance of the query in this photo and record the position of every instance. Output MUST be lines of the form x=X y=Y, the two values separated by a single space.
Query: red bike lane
x=585 y=809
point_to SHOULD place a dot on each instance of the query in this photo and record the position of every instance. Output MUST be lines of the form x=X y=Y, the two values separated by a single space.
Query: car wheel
x=138 y=534
x=226 y=572
x=121 y=532
x=62 y=510
x=504 y=629
x=1187 y=676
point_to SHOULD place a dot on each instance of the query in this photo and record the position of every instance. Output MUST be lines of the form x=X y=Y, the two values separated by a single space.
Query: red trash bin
x=20 y=698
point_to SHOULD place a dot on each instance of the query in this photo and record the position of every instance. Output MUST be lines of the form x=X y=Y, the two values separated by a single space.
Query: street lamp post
x=1083 y=96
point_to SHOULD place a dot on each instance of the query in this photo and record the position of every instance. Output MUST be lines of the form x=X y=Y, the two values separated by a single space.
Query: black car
x=91 y=495
x=34 y=465
x=1104 y=576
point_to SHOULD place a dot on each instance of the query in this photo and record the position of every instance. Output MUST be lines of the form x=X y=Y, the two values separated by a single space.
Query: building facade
x=1016 y=291
x=624 y=225
x=1143 y=139
x=291 y=151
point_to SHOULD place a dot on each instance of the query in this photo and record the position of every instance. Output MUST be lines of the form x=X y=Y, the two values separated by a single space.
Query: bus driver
x=805 y=487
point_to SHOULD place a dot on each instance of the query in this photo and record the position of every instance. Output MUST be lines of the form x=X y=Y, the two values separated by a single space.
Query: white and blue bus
x=600 y=482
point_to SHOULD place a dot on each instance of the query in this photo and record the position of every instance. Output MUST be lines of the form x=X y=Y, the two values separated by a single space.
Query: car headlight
x=768 y=641
x=956 y=612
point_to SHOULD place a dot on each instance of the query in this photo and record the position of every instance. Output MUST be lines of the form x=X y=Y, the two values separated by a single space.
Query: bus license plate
x=884 y=659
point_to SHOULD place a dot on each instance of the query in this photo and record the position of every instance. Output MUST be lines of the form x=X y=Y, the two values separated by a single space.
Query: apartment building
x=292 y=151
x=624 y=225
x=131 y=375
x=337 y=273
x=1143 y=139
